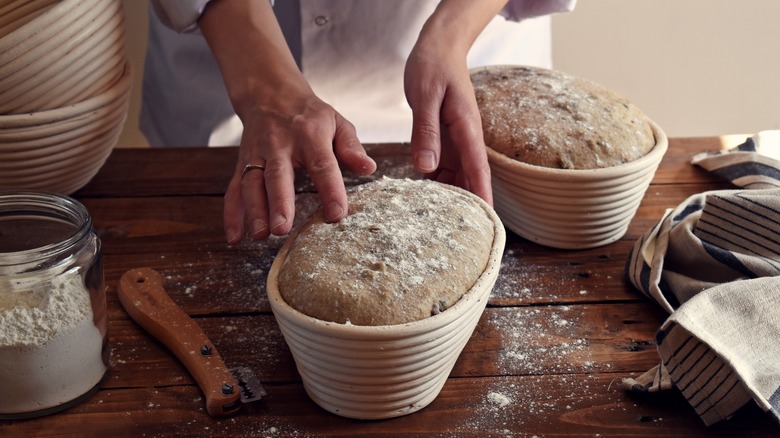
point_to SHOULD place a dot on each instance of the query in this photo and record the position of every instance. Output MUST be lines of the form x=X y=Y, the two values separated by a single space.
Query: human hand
x=285 y=124
x=447 y=141
x=302 y=132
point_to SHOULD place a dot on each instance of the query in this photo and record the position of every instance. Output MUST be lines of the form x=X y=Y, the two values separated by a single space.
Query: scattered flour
x=499 y=399
x=50 y=348
x=519 y=406
x=539 y=339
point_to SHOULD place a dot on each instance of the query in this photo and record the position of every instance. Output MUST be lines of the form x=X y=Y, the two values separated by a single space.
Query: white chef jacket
x=352 y=53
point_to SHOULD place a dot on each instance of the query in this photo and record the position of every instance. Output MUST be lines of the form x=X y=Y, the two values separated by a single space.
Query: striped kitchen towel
x=722 y=348
x=755 y=164
x=713 y=263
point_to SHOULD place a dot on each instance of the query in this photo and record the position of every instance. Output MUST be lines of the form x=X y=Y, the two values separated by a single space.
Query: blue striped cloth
x=713 y=263
x=755 y=164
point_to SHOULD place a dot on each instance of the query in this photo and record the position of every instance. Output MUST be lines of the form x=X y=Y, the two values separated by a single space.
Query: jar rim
x=45 y=205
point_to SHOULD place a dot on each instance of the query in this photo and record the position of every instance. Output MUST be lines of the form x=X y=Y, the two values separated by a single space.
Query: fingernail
x=277 y=221
x=334 y=212
x=426 y=161
x=259 y=226
x=232 y=235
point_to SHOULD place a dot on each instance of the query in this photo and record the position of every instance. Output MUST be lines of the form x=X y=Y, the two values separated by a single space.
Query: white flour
x=50 y=348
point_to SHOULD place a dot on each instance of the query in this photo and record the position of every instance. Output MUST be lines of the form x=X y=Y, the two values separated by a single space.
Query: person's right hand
x=285 y=124
x=282 y=134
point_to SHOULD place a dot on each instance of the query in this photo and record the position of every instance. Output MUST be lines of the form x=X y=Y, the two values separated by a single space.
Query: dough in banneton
x=551 y=119
x=407 y=250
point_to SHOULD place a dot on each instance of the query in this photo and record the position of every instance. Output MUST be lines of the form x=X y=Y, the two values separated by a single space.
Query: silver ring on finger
x=250 y=167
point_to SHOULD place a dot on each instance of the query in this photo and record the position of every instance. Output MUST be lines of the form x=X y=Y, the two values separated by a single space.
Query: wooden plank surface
x=560 y=331
x=207 y=171
x=543 y=406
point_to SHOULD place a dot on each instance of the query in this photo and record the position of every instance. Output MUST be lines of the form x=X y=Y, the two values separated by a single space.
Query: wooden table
x=560 y=331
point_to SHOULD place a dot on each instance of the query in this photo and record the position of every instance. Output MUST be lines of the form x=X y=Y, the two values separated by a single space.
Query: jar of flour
x=53 y=318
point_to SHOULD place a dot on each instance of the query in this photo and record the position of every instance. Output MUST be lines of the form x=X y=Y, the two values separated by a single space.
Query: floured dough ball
x=407 y=250
x=551 y=119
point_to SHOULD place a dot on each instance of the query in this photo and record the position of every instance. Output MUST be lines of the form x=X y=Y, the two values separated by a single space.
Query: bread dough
x=551 y=119
x=407 y=250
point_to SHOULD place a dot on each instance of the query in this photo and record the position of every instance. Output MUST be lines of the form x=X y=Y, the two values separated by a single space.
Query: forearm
x=251 y=51
x=456 y=24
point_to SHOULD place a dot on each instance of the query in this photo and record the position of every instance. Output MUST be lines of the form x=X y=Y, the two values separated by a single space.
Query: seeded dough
x=551 y=119
x=407 y=250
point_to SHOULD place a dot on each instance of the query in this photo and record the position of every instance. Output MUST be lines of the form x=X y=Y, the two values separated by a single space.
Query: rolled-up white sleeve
x=516 y=10
x=180 y=15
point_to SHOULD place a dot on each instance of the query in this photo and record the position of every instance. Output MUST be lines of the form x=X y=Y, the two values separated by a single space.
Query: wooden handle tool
x=143 y=296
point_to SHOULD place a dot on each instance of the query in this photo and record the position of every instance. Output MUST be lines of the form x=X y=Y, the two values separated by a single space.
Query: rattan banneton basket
x=65 y=85
x=376 y=372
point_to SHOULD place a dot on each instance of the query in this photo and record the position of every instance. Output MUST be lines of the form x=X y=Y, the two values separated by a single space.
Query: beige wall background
x=697 y=67
x=137 y=23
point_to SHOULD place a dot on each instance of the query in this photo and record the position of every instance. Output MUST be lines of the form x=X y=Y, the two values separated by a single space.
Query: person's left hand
x=447 y=143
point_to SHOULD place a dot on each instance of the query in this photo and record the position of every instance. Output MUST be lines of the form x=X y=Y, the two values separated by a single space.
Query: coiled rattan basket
x=65 y=85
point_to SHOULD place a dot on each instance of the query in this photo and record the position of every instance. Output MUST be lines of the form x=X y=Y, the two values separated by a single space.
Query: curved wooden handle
x=143 y=296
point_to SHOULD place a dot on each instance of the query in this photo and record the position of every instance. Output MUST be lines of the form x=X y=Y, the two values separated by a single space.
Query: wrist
x=253 y=56
x=456 y=24
x=265 y=87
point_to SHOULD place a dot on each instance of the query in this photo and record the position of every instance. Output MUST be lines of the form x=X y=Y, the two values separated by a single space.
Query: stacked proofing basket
x=64 y=91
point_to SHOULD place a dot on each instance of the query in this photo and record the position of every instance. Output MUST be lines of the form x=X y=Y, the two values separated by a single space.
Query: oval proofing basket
x=571 y=208
x=376 y=372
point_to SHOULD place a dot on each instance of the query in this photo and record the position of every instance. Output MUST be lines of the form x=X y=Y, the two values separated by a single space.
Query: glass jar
x=53 y=317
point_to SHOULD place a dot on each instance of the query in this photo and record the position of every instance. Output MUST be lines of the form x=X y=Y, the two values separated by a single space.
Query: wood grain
x=561 y=329
x=544 y=406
